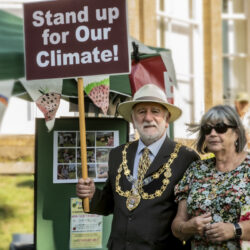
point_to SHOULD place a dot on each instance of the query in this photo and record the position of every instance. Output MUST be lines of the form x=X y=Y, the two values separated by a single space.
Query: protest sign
x=75 y=38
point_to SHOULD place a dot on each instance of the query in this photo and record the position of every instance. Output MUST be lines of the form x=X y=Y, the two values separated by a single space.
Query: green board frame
x=52 y=201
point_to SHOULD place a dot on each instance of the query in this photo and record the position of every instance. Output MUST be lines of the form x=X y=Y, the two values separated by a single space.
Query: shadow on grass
x=29 y=184
x=6 y=212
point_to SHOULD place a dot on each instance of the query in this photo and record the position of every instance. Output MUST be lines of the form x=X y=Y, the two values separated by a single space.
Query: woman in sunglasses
x=213 y=192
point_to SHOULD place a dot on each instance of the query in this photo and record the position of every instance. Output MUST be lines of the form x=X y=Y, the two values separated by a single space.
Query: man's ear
x=132 y=120
x=167 y=120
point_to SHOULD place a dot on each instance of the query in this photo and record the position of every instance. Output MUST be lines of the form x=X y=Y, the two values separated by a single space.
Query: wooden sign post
x=82 y=126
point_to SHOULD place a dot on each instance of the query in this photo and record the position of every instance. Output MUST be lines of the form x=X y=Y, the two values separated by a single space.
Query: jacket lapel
x=131 y=155
x=131 y=151
x=162 y=157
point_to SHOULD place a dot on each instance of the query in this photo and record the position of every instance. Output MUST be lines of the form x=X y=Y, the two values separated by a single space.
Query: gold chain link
x=165 y=168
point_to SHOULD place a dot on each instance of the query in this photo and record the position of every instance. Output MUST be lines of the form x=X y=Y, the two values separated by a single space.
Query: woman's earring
x=236 y=143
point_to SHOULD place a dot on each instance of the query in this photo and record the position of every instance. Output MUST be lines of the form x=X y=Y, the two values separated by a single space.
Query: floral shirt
x=221 y=193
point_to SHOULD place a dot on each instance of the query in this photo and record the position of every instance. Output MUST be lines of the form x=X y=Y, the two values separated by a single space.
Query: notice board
x=52 y=200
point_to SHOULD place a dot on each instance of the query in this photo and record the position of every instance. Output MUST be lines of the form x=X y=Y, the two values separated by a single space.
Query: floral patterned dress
x=221 y=193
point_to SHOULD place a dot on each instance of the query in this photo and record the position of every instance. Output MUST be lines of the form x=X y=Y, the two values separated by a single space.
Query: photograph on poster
x=104 y=139
x=102 y=170
x=90 y=139
x=91 y=170
x=102 y=154
x=79 y=170
x=90 y=155
x=66 y=172
x=66 y=139
x=67 y=155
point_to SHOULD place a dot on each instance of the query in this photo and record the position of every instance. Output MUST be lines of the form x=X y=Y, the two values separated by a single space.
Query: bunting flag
x=47 y=95
x=97 y=88
x=157 y=70
x=153 y=70
x=148 y=70
x=166 y=57
x=169 y=87
x=6 y=88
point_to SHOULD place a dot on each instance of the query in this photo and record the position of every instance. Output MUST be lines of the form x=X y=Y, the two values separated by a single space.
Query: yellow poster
x=85 y=229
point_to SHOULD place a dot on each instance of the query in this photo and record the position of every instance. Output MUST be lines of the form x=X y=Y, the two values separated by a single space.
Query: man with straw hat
x=139 y=191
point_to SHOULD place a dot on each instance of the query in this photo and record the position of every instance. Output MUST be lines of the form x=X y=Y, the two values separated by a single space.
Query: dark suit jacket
x=147 y=227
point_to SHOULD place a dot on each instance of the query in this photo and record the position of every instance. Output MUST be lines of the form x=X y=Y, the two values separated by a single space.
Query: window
x=235 y=48
x=179 y=28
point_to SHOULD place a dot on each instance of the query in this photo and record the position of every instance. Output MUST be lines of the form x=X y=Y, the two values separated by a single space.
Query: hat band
x=150 y=98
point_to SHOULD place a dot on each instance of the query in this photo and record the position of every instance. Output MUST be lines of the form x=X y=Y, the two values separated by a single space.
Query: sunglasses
x=220 y=128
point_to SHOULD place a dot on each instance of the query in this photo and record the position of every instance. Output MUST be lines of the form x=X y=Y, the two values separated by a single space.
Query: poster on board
x=67 y=155
x=85 y=229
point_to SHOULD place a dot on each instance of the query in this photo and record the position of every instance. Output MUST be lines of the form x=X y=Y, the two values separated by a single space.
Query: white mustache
x=149 y=124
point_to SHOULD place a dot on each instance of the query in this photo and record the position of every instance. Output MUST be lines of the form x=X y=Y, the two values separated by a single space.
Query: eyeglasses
x=220 y=128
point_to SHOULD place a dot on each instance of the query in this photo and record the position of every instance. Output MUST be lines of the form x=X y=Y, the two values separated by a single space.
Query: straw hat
x=242 y=97
x=148 y=93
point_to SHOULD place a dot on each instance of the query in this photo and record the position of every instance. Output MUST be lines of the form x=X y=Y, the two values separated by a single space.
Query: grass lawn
x=16 y=207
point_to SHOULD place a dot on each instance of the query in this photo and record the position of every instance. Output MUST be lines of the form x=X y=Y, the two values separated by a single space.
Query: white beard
x=149 y=138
